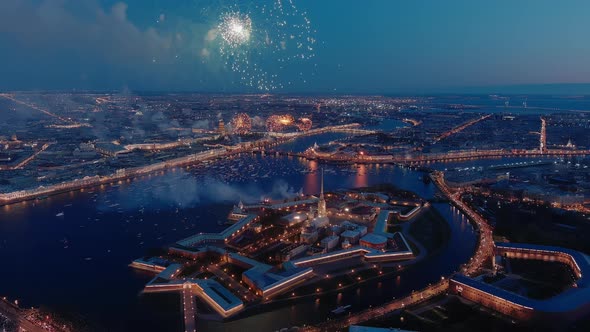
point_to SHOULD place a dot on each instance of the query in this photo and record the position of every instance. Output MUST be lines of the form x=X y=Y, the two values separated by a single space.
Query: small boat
x=65 y=243
x=341 y=309
x=61 y=214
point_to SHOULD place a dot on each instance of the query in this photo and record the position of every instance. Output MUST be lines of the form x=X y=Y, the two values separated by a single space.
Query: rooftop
x=219 y=294
x=374 y=238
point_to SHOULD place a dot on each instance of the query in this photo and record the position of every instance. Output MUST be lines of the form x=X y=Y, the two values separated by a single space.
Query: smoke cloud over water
x=87 y=44
x=184 y=190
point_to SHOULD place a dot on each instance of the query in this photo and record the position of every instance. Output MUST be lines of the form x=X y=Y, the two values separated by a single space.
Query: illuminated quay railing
x=372 y=313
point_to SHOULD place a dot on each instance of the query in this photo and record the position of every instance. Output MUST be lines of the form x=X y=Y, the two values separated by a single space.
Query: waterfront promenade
x=372 y=313
x=128 y=173
x=189 y=308
x=424 y=158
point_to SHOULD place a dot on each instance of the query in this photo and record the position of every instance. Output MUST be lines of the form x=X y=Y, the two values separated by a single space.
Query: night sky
x=370 y=46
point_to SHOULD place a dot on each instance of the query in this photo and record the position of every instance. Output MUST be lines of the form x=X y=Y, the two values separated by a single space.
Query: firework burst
x=276 y=123
x=261 y=40
x=235 y=29
x=241 y=124
x=304 y=124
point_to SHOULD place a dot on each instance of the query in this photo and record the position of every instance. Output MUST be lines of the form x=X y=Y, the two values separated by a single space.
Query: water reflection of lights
x=361 y=179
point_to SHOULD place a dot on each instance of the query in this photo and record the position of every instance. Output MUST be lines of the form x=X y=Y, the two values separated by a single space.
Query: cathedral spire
x=322 y=185
x=322 y=201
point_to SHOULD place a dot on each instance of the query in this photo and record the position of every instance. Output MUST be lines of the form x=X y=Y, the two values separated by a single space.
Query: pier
x=189 y=308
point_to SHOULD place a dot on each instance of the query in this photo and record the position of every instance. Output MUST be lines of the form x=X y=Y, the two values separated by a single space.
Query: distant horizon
x=381 y=47
x=561 y=89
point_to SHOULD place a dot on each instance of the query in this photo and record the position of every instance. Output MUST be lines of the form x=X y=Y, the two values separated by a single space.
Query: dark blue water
x=78 y=263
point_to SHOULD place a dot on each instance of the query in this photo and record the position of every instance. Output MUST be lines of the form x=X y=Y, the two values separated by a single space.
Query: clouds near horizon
x=378 y=46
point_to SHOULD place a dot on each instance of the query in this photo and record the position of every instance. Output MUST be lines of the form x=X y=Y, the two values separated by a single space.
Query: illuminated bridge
x=436 y=157
x=355 y=131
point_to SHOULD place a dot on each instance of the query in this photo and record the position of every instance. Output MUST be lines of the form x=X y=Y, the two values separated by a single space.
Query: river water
x=78 y=263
